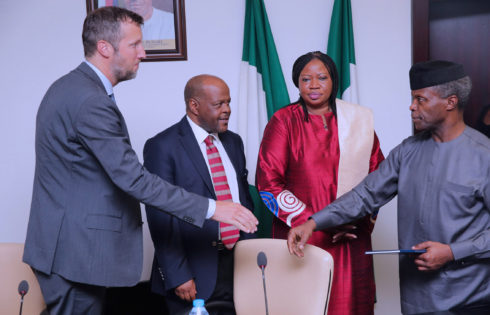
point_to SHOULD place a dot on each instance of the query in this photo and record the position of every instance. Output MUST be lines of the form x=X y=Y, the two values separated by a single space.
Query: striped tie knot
x=209 y=140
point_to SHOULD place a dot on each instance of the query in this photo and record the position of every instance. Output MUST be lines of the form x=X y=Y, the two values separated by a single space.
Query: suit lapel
x=191 y=147
x=86 y=70
x=89 y=72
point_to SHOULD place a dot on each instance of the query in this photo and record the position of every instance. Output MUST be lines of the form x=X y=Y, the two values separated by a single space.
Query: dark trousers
x=64 y=297
x=223 y=291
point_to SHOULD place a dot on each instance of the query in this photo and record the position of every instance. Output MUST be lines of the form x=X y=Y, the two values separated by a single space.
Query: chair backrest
x=294 y=285
x=12 y=272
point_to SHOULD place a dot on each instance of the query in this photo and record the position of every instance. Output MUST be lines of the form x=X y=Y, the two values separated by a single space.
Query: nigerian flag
x=262 y=91
x=341 y=50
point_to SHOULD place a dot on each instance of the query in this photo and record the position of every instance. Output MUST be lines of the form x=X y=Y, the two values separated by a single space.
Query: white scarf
x=356 y=136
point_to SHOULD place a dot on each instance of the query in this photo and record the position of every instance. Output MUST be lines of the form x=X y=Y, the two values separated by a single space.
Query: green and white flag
x=262 y=91
x=341 y=50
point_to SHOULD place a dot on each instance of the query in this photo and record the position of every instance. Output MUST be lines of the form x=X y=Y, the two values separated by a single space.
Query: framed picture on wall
x=164 y=35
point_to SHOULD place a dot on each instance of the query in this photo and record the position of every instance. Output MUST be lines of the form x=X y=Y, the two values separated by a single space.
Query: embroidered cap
x=434 y=72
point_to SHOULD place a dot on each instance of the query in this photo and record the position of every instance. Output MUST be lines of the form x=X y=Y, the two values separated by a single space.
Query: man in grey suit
x=84 y=231
x=442 y=178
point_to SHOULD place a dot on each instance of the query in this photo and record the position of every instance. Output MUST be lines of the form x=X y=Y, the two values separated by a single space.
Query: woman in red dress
x=313 y=151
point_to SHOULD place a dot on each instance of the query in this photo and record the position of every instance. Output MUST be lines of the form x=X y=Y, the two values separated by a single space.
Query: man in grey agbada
x=84 y=231
x=442 y=178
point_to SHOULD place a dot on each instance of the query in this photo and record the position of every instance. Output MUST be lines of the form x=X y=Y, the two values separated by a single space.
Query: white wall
x=41 y=40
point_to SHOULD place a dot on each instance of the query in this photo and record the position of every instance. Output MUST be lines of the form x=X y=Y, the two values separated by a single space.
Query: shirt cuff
x=211 y=208
x=463 y=249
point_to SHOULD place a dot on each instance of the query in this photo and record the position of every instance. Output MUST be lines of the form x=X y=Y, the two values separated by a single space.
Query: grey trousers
x=64 y=297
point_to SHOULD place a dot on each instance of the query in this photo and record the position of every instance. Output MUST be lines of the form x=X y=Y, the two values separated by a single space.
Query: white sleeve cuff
x=211 y=208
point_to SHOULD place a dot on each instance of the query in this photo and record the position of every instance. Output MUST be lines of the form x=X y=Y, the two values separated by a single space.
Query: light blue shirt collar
x=105 y=81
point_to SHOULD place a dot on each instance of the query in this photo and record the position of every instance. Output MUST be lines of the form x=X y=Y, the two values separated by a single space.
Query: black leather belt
x=218 y=244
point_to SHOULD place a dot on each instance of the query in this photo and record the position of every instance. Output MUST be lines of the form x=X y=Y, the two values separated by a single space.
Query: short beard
x=121 y=74
x=124 y=76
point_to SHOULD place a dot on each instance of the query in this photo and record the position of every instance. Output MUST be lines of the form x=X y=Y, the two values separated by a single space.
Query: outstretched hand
x=235 y=214
x=298 y=236
x=436 y=256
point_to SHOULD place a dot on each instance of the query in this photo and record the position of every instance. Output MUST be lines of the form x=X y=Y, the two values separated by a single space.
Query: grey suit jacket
x=85 y=220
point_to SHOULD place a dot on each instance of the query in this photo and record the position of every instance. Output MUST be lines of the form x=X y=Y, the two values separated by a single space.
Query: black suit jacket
x=85 y=219
x=182 y=251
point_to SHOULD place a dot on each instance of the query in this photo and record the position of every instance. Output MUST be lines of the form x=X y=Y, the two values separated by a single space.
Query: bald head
x=207 y=100
x=196 y=86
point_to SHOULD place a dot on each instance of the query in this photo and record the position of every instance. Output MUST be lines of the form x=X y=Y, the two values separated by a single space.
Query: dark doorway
x=459 y=31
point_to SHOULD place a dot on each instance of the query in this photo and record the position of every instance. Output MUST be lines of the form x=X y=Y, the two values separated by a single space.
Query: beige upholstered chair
x=12 y=272
x=294 y=285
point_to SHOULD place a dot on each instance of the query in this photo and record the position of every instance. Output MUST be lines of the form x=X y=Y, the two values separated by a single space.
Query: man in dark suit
x=191 y=262
x=84 y=231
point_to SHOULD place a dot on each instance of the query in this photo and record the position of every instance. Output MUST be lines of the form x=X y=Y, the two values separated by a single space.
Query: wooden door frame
x=420 y=30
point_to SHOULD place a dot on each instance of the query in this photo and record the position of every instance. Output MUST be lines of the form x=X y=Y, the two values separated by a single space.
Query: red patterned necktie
x=229 y=233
